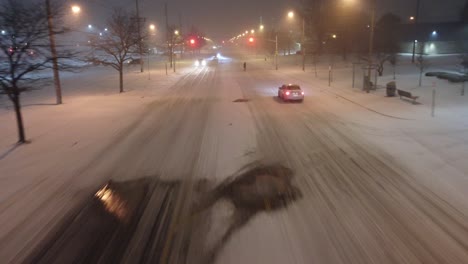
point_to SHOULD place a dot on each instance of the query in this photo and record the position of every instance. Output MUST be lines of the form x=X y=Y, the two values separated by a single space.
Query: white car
x=290 y=92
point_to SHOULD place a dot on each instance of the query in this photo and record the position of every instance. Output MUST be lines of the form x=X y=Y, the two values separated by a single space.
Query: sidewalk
x=433 y=149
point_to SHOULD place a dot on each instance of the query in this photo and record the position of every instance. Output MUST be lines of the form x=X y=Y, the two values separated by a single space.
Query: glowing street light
x=252 y=31
x=90 y=26
x=3 y=32
x=291 y=16
x=76 y=9
x=411 y=18
x=334 y=36
x=176 y=32
x=262 y=27
x=105 y=29
x=246 y=32
x=152 y=27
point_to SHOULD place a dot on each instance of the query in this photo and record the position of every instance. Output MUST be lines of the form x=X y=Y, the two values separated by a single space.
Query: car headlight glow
x=203 y=63
x=197 y=63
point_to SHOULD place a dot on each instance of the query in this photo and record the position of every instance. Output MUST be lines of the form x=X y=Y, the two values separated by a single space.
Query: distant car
x=290 y=92
x=134 y=61
x=200 y=62
x=94 y=61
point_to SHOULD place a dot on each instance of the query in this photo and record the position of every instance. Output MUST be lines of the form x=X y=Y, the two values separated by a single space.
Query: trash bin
x=391 y=89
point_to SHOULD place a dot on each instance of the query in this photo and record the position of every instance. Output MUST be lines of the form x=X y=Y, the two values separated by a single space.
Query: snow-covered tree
x=117 y=44
x=25 y=50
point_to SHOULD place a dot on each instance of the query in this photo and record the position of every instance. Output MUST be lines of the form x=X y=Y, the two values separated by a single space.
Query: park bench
x=406 y=94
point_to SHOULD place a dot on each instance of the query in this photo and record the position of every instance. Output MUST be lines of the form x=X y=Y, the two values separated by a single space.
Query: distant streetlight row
x=76 y=9
x=243 y=34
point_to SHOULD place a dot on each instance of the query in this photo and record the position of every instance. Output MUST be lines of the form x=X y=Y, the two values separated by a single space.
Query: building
x=434 y=38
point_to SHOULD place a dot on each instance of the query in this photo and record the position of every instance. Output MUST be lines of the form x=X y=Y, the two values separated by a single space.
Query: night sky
x=224 y=18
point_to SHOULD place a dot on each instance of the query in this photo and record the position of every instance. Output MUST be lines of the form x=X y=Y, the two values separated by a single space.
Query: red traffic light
x=192 y=41
x=251 y=40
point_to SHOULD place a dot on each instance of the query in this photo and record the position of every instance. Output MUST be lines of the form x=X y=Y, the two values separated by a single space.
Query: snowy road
x=359 y=205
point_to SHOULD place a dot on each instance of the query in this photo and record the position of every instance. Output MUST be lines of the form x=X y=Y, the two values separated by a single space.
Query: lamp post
x=415 y=19
x=290 y=16
x=371 y=42
x=140 y=47
x=53 y=51
x=276 y=51
x=152 y=29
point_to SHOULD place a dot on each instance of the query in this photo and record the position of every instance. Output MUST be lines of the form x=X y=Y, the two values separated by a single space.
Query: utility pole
x=418 y=2
x=180 y=32
x=302 y=43
x=58 y=88
x=371 y=42
x=168 y=35
x=276 y=51
x=139 y=35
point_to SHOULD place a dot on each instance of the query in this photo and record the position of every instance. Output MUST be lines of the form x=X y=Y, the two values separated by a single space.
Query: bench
x=406 y=94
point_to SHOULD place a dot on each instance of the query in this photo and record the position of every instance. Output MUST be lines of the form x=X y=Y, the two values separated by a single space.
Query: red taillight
x=287 y=93
x=302 y=93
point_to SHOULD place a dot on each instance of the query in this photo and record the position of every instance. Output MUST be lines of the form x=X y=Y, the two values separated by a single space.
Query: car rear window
x=293 y=87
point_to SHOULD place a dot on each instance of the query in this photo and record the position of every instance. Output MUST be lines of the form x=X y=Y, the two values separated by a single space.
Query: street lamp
x=53 y=51
x=262 y=27
x=246 y=32
x=415 y=20
x=152 y=27
x=371 y=41
x=411 y=18
x=76 y=9
x=176 y=32
x=252 y=31
x=334 y=36
x=290 y=16
x=90 y=26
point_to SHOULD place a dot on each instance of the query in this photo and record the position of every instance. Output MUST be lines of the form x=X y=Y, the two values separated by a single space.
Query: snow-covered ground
x=383 y=181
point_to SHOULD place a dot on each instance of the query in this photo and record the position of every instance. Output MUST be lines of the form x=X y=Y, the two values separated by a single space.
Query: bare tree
x=116 y=46
x=381 y=59
x=386 y=43
x=422 y=64
x=24 y=50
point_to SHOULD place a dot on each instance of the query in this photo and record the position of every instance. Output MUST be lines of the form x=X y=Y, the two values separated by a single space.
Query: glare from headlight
x=203 y=63
x=197 y=63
